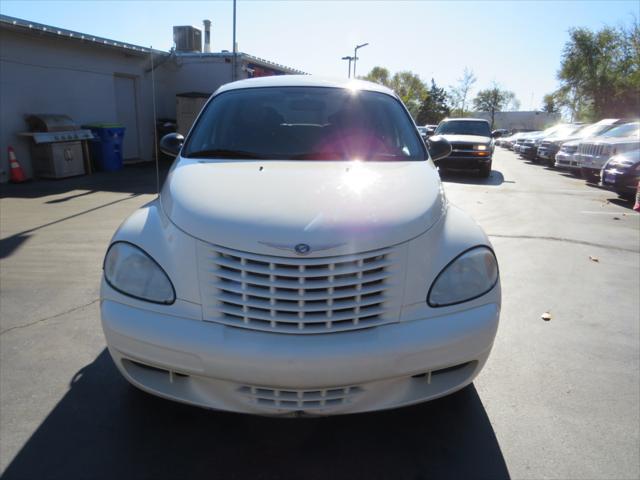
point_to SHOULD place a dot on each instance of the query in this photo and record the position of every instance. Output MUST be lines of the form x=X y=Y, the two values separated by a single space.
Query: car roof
x=465 y=119
x=305 y=81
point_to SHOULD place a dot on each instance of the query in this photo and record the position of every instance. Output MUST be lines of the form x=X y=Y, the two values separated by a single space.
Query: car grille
x=299 y=399
x=297 y=295
x=594 y=149
x=464 y=150
x=569 y=148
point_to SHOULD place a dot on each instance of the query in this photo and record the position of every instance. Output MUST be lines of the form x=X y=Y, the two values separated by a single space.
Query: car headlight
x=480 y=147
x=470 y=275
x=131 y=271
x=620 y=162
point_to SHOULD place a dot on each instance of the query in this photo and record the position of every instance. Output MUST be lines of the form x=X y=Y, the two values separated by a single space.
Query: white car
x=566 y=156
x=594 y=152
x=301 y=259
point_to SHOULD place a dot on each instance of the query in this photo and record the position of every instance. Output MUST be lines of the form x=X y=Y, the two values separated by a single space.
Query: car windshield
x=564 y=130
x=626 y=130
x=464 y=127
x=305 y=123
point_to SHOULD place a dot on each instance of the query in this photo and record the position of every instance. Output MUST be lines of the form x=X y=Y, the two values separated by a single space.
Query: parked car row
x=606 y=152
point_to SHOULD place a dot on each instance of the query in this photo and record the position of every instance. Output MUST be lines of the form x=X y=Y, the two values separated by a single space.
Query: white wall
x=49 y=75
x=521 y=120
x=188 y=73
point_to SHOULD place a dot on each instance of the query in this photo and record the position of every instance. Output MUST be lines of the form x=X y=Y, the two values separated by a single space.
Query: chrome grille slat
x=293 y=262
x=298 y=295
x=308 y=318
x=371 y=287
x=292 y=306
x=281 y=283
x=347 y=268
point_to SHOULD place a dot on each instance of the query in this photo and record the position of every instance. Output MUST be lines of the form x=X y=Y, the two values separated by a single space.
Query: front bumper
x=567 y=160
x=529 y=151
x=226 y=368
x=464 y=162
x=547 y=153
x=624 y=182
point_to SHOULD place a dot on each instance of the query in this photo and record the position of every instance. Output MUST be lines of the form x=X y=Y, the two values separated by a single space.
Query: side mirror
x=171 y=144
x=439 y=147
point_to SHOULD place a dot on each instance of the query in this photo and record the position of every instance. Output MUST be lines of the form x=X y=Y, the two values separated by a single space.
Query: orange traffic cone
x=16 y=173
x=636 y=207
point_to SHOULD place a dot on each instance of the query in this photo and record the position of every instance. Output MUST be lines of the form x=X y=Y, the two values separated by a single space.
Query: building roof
x=35 y=28
x=40 y=29
x=305 y=81
x=241 y=56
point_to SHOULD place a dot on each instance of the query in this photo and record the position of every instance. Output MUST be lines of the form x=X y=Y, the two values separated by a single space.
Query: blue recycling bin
x=106 y=148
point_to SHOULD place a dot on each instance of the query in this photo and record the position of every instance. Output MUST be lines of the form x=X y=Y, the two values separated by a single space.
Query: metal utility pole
x=355 y=57
x=233 y=60
x=348 y=58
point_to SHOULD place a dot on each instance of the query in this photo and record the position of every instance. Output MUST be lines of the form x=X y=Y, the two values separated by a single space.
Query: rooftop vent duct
x=187 y=38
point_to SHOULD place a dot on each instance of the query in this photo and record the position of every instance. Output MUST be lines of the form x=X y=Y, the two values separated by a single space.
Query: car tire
x=485 y=170
x=588 y=176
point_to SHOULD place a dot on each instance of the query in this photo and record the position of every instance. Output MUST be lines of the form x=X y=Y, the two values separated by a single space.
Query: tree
x=434 y=107
x=459 y=93
x=600 y=72
x=378 y=75
x=495 y=99
x=549 y=104
x=409 y=87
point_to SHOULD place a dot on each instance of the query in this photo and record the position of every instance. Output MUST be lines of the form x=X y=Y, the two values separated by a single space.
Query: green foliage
x=495 y=99
x=379 y=75
x=434 y=106
x=600 y=72
x=549 y=103
x=409 y=87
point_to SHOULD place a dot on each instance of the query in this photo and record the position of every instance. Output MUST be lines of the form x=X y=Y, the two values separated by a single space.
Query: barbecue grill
x=59 y=146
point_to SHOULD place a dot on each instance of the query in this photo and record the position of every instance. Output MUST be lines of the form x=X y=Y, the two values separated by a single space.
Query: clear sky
x=516 y=43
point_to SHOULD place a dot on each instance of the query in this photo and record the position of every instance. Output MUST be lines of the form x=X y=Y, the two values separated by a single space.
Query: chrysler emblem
x=302 y=248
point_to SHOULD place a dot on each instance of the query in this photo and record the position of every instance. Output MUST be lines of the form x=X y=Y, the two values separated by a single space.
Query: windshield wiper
x=224 y=153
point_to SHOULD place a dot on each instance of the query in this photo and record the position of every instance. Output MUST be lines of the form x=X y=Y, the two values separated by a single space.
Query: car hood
x=560 y=140
x=612 y=140
x=467 y=138
x=335 y=208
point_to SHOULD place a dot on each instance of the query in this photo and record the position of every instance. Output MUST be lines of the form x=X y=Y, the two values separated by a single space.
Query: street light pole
x=348 y=58
x=355 y=57
x=233 y=60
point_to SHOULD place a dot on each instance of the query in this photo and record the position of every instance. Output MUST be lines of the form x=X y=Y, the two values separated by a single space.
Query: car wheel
x=485 y=171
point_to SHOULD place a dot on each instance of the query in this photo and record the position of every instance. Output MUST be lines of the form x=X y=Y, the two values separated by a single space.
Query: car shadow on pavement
x=104 y=428
x=495 y=179
x=138 y=178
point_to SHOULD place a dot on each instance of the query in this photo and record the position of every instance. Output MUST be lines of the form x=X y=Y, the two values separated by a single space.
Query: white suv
x=302 y=259
x=594 y=152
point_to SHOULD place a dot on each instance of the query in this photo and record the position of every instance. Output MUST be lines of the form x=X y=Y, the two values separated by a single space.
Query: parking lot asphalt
x=557 y=399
